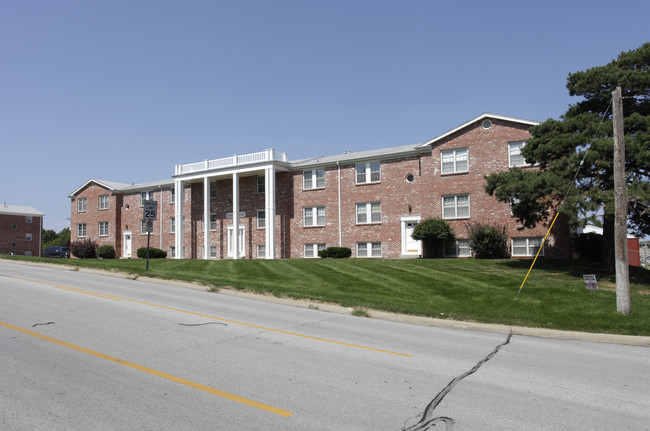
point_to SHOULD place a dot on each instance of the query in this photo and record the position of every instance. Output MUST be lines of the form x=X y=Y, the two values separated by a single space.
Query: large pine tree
x=586 y=131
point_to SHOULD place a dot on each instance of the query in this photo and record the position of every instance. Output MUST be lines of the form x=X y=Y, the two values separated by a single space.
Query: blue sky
x=123 y=90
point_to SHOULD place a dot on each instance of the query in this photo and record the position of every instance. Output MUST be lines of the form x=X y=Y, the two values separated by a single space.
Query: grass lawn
x=554 y=295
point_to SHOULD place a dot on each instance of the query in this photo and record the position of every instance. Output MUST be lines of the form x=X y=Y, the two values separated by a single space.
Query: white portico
x=265 y=163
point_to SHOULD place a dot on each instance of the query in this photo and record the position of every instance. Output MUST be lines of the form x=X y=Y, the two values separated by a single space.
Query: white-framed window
x=146 y=196
x=454 y=161
x=311 y=250
x=369 y=172
x=514 y=154
x=81 y=205
x=213 y=222
x=261 y=181
x=369 y=249
x=28 y=219
x=368 y=212
x=103 y=228
x=261 y=251
x=103 y=202
x=213 y=190
x=455 y=206
x=213 y=251
x=526 y=246
x=457 y=248
x=172 y=195
x=172 y=224
x=261 y=219
x=28 y=237
x=313 y=179
x=81 y=230
x=172 y=251
x=314 y=216
x=28 y=253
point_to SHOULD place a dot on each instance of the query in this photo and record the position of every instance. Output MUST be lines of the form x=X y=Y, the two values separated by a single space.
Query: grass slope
x=554 y=295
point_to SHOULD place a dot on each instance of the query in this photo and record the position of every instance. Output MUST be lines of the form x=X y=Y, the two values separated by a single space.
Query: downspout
x=339 y=180
x=161 y=217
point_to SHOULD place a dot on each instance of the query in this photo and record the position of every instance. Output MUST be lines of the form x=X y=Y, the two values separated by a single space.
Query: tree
x=433 y=232
x=586 y=131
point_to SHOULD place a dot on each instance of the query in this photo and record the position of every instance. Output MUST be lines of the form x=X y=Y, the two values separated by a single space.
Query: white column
x=206 y=217
x=235 y=215
x=269 y=211
x=178 y=218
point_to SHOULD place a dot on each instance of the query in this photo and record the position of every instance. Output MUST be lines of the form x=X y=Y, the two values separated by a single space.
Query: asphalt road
x=82 y=351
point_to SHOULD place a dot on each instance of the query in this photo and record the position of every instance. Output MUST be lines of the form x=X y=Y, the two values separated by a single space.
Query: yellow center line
x=153 y=372
x=280 y=331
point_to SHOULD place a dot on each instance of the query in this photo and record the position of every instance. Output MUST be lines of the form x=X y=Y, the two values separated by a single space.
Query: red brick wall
x=13 y=230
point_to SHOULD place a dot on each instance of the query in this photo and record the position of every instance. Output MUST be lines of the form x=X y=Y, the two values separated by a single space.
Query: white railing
x=235 y=160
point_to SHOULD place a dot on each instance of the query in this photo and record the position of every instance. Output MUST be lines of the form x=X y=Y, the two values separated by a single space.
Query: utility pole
x=620 y=210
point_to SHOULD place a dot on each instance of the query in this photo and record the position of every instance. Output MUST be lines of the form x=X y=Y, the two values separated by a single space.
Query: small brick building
x=20 y=230
x=369 y=201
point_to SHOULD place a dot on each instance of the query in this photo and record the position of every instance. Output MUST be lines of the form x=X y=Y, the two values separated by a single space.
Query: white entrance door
x=126 y=245
x=242 y=241
x=410 y=247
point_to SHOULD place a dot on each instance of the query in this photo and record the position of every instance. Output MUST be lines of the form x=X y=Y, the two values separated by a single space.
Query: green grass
x=554 y=295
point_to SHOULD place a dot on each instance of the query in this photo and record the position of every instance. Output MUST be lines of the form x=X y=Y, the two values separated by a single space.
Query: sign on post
x=149 y=226
x=590 y=282
x=150 y=210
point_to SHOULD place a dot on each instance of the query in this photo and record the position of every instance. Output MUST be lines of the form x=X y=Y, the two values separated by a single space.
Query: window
x=143 y=227
x=526 y=246
x=172 y=225
x=81 y=205
x=456 y=206
x=369 y=212
x=368 y=249
x=314 y=216
x=28 y=219
x=213 y=251
x=454 y=161
x=103 y=228
x=514 y=154
x=81 y=230
x=457 y=248
x=172 y=251
x=213 y=190
x=173 y=195
x=28 y=237
x=103 y=202
x=213 y=222
x=145 y=196
x=311 y=250
x=261 y=184
x=261 y=219
x=261 y=251
x=28 y=253
x=368 y=172
x=314 y=179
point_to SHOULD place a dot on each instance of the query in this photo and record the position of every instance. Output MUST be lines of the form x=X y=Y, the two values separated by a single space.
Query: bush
x=488 y=242
x=335 y=252
x=154 y=253
x=433 y=232
x=106 y=251
x=589 y=246
x=83 y=249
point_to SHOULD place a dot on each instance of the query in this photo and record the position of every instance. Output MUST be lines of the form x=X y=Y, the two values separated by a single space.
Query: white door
x=126 y=248
x=242 y=241
x=412 y=245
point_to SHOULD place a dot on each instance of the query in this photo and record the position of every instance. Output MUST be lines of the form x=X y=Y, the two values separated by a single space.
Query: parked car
x=56 y=251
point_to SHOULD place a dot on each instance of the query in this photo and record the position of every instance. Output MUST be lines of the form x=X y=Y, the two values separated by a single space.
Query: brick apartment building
x=20 y=230
x=369 y=201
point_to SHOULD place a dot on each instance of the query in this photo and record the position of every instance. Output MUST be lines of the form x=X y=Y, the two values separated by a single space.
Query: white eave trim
x=480 y=118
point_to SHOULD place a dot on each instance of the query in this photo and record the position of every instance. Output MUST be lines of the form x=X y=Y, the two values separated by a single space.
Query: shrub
x=488 y=242
x=589 y=246
x=83 y=249
x=106 y=251
x=433 y=232
x=335 y=252
x=154 y=253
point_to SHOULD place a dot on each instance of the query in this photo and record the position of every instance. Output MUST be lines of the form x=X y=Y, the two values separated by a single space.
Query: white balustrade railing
x=234 y=160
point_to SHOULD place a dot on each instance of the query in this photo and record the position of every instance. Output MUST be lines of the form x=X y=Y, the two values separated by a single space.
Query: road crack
x=428 y=421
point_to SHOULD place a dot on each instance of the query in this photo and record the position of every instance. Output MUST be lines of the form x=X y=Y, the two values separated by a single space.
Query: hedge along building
x=369 y=201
